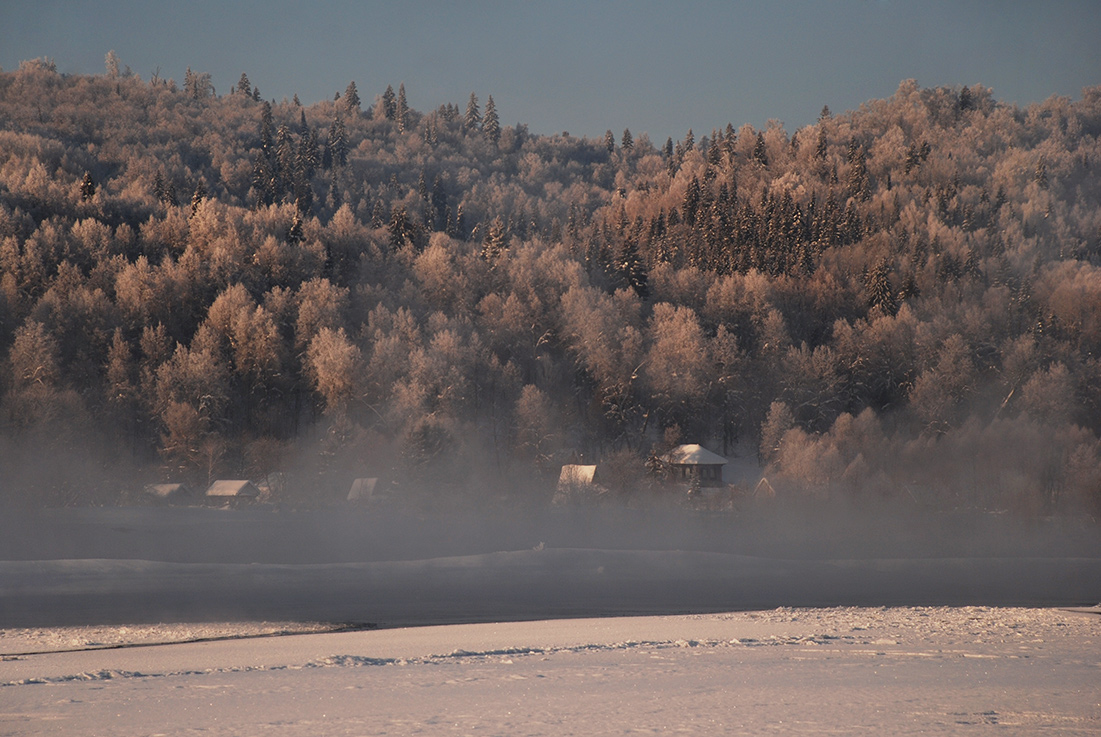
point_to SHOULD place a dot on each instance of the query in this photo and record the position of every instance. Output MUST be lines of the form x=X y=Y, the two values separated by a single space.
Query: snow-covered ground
x=968 y=670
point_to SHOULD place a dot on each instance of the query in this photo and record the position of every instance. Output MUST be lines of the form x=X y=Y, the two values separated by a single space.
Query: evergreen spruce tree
x=494 y=244
x=243 y=85
x=295 y=234
x=87 y=187
x=336 y=149
x=760 y=154
x=198 y=196
x=389 y=104
x=877 y=285
x=966 y=101
x=491 y=124
x=267 y=133
x=633 y=269
x=351 y=98
x=609 y=141
x=401 y=113
x=627 y=142
x=473 y=119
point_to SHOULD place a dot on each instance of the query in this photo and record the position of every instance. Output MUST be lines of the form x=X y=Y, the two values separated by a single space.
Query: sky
x=583 y=66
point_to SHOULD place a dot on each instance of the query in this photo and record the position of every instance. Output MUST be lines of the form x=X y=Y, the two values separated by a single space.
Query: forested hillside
x=903 y=300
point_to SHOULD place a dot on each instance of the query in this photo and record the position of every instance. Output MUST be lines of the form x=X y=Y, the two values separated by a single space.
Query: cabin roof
x=573 y=474
x=163 y=491
x=362 y=489
x=693 y=455
x=233 y=487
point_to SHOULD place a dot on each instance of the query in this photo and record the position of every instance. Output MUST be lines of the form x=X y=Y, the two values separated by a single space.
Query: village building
x=363 y=491
x=577 y=482
x=168 y=493
x=232 y=489
x=694 y=463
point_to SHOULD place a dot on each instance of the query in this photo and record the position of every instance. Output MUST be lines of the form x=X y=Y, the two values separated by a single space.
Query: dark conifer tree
x=877 y=285
x=760 y=154
x=295 y=234
x=198 y=196
x=491 y=124
x=966 y=102
x=267 y=130
x=627 y=142
x=633 y=269
x=473 y=119
x=389 y=104
x=401 y=229
x=401 y=109
x=336 y=148
x=351 y=98
x=243 y=86
x=87 y=187
x=495 y=241
x=691 y=202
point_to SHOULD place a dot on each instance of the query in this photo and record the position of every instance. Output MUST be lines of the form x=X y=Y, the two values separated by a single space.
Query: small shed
x=363 y=490
x=232 y=489
x=694 y=463
x=168 y=493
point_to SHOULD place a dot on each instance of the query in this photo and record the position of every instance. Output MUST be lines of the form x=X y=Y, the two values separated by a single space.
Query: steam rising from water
x=389 y=567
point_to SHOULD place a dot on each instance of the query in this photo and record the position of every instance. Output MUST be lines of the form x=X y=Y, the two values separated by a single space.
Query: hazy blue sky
x=584 y=66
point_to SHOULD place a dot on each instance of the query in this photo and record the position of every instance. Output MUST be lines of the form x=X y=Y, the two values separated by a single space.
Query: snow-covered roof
x=232 y=487
x=362 y=490
x=693 y=455
x=166 y=491
x=576 y=475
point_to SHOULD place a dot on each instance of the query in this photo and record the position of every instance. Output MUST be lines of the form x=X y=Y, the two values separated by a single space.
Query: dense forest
x=902 y=300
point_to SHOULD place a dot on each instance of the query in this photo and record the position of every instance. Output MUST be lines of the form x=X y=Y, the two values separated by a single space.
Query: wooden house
x=694 y=463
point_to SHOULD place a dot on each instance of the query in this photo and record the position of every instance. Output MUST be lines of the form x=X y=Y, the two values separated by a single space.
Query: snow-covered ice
x=968 y=670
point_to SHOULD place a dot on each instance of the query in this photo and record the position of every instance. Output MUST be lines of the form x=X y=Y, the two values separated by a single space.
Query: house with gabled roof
x=694 y=463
